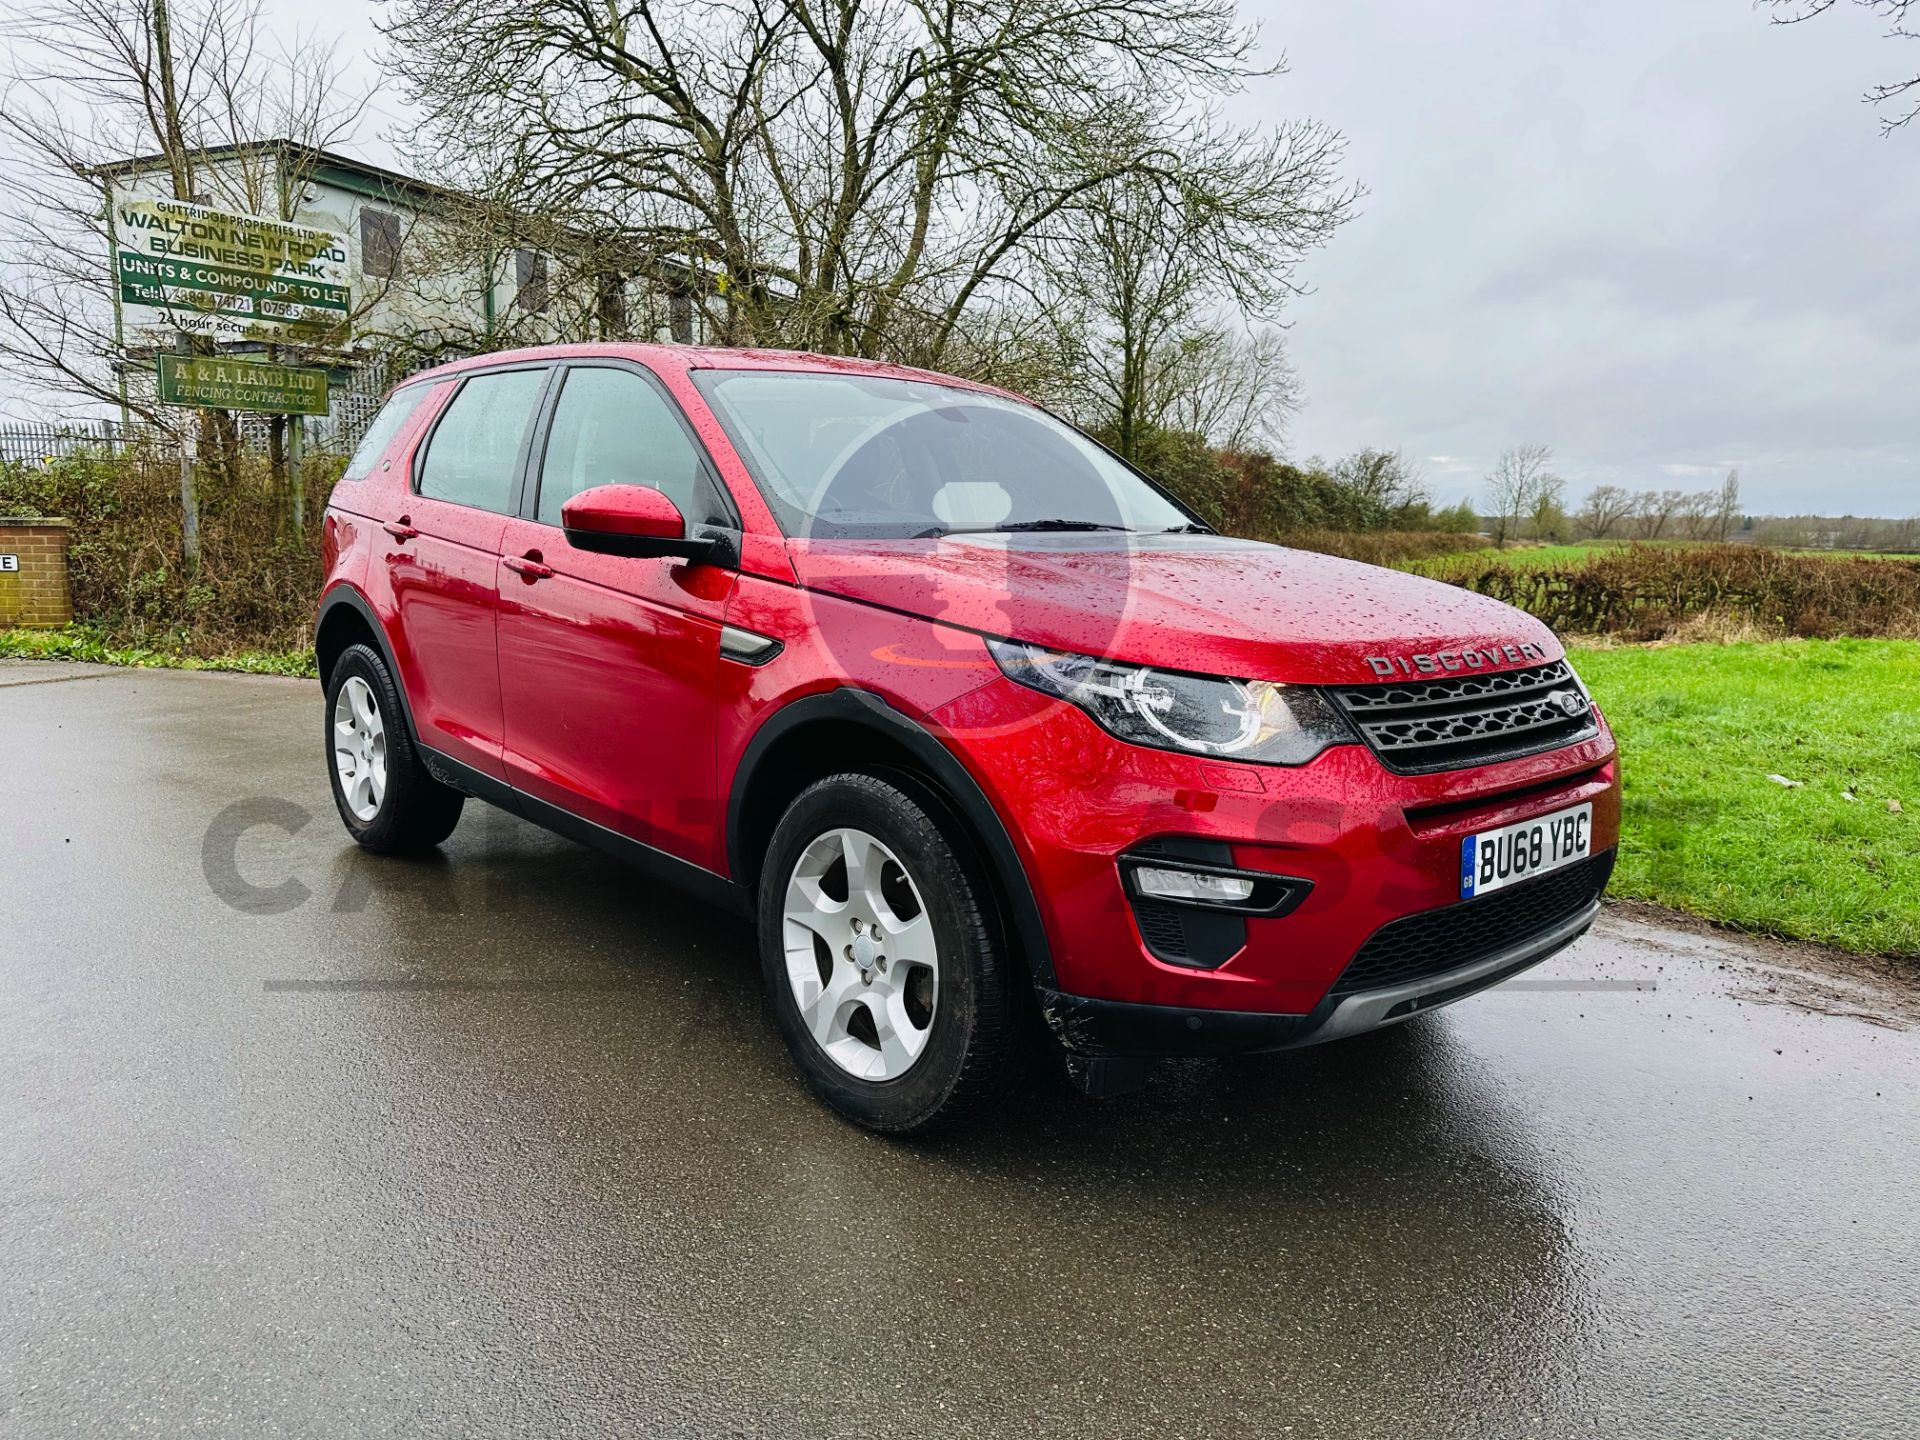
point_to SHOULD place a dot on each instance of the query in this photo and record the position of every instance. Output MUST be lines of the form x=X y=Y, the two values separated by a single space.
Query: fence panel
x=28 y=442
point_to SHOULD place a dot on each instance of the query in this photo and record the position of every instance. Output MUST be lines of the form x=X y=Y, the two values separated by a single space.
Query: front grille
x=1436 y=941
x=1452 y=722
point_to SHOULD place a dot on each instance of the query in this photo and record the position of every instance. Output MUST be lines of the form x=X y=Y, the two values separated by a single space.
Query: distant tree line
x=1612 y=512
x=1837 y=532
x=1527 y=501
x=1252 y=491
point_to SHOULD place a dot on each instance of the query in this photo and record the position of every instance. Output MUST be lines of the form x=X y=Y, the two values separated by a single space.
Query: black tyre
x=882 y=955
x=386 y=798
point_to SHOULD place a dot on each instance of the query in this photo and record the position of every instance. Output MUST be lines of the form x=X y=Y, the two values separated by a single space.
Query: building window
x=680 y=317
x=611 y=305
x=379 y=245
x=530 y=280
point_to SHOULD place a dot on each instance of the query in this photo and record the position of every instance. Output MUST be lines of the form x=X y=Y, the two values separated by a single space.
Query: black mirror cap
x=709 y=546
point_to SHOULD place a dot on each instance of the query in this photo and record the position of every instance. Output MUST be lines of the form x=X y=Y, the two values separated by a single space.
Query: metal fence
x=33 y=442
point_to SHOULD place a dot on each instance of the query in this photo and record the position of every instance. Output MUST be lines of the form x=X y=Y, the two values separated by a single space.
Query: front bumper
x=1375 y=848
x=1113 y=1027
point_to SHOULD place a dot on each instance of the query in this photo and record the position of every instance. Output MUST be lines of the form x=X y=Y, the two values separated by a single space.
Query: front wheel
x=882 y=957
x=386 y=798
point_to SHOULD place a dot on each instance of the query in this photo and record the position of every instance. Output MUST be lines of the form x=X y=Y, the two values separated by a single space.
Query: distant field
x=1543 y=557
x=1907 y=556
x=1701 y=727
x=1531 y=557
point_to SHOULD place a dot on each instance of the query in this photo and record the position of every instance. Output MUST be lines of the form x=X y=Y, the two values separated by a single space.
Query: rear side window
x=475 y=448
x=613 y=428
x=400 y=404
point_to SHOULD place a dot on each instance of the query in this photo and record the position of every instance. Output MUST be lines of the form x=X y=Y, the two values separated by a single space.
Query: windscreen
x=864 y=456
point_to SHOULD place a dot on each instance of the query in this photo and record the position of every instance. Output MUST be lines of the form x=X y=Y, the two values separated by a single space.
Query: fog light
x=1187 y=885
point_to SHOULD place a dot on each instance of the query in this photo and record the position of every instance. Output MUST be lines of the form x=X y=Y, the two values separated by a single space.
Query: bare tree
x=1899 y=27
x=1605 y=507
x=569 y=284
x=1653 y=510
x=1514 y=486
x=89 y=84
x=1239 y=390
x=1694 y=517
x=1140 y=265
x=1385 y=485
x=1547 y=514
x=1726 y=510
x=842 y=176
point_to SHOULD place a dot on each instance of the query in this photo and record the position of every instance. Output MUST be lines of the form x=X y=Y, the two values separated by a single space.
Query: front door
x=445 y=557
x=609 y=665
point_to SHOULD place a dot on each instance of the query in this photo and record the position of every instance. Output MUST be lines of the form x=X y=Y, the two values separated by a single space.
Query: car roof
x=705 y=357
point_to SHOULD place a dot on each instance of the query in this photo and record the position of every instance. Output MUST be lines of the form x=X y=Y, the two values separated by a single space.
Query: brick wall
x=35 y=596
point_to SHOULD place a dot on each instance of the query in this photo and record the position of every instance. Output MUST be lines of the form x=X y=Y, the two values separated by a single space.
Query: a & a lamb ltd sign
x=225 y=383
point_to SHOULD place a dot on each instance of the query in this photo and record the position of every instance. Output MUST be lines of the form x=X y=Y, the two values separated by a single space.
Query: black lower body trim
x=682 y=874
x=1113 y=1027
x=1116 y=1027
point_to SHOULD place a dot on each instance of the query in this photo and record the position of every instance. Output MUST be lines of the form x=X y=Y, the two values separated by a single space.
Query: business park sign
x=189 y=269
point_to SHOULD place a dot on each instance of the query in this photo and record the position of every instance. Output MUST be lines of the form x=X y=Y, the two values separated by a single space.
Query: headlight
x=1255 y=720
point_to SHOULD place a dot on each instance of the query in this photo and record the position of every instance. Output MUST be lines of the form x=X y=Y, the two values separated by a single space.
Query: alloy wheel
x=861 y=955
x=360 y=748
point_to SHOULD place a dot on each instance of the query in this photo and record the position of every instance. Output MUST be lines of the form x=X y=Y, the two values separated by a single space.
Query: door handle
x=401 y=529
x=528 y=567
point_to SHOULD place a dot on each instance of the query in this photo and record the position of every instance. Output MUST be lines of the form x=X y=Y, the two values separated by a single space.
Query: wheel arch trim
x=863 y=709
x=345 y=595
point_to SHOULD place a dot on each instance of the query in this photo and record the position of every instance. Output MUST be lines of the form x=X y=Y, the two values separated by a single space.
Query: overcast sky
x=1661 y=236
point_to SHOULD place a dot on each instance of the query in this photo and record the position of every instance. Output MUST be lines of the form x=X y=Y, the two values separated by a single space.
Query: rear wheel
x=386 y=798
x=881 y=957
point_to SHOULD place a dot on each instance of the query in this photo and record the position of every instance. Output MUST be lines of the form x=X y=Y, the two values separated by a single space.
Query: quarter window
x=402 y=403
x=475 y=448
x=612 y=428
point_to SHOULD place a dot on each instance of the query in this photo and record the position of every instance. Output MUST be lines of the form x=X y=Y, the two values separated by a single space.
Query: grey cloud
x=1649 y=234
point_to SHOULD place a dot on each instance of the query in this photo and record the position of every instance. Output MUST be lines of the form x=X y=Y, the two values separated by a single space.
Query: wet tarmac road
x=502 y=1143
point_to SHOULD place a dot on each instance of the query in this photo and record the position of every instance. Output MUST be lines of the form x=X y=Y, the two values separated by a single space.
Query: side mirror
x=634 y=520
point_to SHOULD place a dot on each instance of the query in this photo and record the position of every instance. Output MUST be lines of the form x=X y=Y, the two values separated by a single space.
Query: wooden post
x=189 y=501
x=296 y=481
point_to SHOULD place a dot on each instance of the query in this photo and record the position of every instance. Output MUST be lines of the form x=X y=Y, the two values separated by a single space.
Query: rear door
x=609 y=665
x=465 y=482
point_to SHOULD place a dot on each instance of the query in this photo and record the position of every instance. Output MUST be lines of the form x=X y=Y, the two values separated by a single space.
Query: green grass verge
x=78 y=642
x=1701 y=727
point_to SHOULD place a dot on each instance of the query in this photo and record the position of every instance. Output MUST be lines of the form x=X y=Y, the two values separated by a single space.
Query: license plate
x=1494 y=859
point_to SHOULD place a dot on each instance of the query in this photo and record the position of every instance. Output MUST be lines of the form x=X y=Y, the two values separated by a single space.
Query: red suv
x=959 y=706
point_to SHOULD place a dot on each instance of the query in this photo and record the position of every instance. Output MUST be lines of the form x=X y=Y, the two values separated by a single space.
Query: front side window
x=612 y=428
x=400 y=404
x=475 y=449
x=866 y=456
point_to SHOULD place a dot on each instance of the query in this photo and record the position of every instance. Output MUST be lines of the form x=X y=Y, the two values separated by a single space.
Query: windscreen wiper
x=1013 y=525
x=1018 y=525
